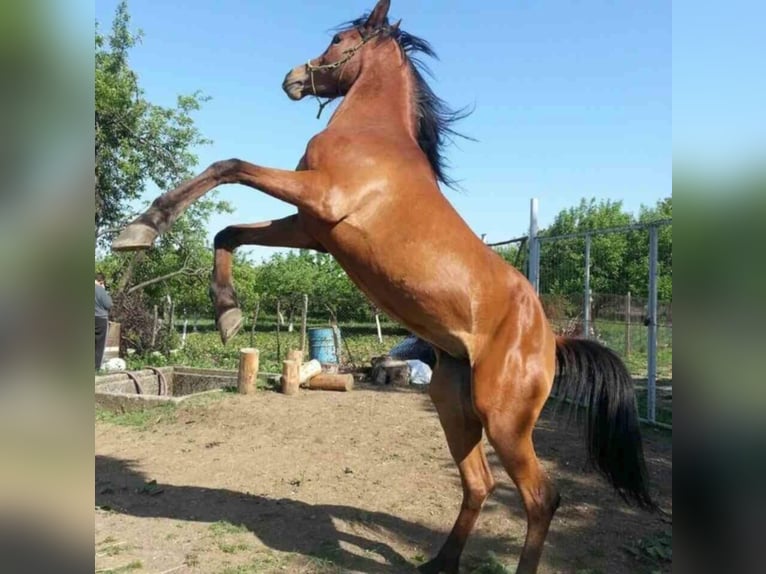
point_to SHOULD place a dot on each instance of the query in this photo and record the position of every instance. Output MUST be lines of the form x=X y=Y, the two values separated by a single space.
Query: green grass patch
x=223 y=527
x=130 y=567
x=490 y=564
x=232 y=548
x=656 y=548
x=140 y=419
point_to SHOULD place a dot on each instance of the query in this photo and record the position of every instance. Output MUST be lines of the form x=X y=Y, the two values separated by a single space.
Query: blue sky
x=572 y=99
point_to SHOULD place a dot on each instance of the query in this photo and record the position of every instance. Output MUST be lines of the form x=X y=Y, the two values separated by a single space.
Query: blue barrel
x=322 y=346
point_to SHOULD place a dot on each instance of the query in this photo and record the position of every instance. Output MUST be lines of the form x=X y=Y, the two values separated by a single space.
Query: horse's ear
x=379 y=14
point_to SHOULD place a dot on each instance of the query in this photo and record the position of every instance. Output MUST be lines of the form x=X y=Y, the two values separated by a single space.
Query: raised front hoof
x=437 y=566
x=229 y=324
x=134 y=237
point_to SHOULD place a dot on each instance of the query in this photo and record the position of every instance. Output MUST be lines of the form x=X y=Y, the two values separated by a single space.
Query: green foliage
x=204 y=349
x=619 y=261
x=657 y=548
x=286 y=277
x=136 y=141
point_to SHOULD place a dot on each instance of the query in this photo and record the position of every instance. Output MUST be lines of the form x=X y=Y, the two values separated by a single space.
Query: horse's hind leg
x=508 y=396
x=450 y=390
x=285 y=232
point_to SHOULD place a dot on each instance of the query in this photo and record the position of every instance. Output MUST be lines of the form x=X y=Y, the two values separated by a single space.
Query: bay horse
x=367 y=191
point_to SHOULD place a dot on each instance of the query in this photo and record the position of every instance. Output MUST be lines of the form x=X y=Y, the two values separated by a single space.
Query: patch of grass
x=115 y=549
x=326 y=557
x=262 y=561
x=657 y=548
x=489 y=565
x=130 y=567
x=223 y=527
x=150 y=488
x=107 y=540
x=191 y=560
x=232 y=548
x=143 y=419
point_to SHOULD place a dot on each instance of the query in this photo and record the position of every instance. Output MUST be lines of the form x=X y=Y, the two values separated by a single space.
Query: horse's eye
x=336 y=39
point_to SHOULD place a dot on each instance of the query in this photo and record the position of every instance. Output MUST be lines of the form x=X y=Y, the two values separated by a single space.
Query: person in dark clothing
x=103 y=304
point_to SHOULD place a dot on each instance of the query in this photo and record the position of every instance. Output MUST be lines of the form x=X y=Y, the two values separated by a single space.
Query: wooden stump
x=248 y=370
x=295 y=355
x=290 y=377
x=387 y=371
x=326 y=382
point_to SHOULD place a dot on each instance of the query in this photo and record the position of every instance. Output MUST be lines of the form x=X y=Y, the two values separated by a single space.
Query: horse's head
x=335 y=71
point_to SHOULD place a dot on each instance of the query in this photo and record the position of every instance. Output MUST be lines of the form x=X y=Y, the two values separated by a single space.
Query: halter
x=348 y=54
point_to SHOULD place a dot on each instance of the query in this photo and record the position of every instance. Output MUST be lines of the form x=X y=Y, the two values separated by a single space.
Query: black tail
x=592 y=375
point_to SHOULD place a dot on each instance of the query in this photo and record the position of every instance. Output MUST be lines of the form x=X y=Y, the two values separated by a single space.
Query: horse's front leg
x=286 y=232
x=304 y=189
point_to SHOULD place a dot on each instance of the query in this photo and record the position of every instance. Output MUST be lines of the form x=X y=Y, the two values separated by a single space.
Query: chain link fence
x=613 y=285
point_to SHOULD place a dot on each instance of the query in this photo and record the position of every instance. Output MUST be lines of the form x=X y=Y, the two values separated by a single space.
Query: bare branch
x=183 y=271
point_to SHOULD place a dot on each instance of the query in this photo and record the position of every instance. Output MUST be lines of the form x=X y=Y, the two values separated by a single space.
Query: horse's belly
x=416 y=288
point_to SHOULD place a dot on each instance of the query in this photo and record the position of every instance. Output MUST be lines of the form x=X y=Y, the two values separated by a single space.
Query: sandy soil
x=341 y=482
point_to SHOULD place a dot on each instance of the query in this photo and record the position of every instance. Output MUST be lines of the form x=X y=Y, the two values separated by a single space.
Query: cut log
x=327 y=382
x=248 y=370
x=290 y=377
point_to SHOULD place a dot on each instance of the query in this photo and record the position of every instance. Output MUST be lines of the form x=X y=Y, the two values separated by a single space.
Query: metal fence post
x=586 y=294
x=533 y=271
x=651 y=367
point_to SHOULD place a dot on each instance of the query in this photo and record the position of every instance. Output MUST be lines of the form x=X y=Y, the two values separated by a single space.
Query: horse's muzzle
x=294 y=83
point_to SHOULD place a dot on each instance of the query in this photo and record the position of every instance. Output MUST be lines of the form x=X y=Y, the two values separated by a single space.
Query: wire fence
x=613 y=285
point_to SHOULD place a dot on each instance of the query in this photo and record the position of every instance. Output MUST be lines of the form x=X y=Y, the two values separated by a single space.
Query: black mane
x=435 y=117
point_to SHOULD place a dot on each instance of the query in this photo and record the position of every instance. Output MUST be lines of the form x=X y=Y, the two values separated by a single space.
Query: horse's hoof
x=134 y=237
x=229 y=324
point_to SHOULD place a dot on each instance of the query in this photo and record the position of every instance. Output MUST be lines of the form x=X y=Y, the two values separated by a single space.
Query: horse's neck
x=384 y=91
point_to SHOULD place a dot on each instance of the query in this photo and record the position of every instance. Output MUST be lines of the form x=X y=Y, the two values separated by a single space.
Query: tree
x=287 y=276
x=137 y=142
x=562 y=261
x=619 y=261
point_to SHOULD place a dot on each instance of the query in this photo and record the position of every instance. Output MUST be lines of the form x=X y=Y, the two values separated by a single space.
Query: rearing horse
x=366 y=191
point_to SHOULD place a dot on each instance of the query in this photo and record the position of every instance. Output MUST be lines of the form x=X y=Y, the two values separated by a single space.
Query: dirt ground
x=343 y=482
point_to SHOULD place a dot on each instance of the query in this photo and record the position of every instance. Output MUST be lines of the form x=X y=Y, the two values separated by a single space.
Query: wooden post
x=171 y=315
x=377 y=324
x=328 y=382
x=295 y=355
x=336 y=341
x=304 y=316
x=290 y=377
x=627 y=328
x=248 y=370
x=279 y=350
x=154 y=326
x=255 y=320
